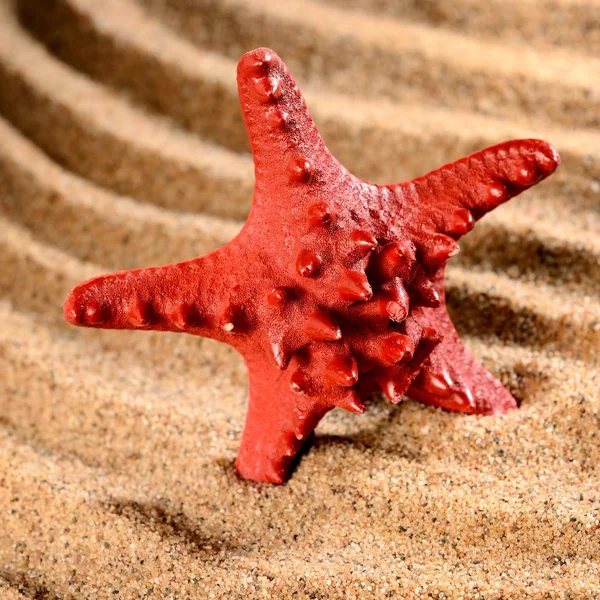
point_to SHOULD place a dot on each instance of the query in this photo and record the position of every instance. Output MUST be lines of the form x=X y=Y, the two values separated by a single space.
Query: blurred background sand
x=121 y=145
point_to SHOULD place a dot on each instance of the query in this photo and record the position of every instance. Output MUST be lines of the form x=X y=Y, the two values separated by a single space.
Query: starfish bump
x=334 y=287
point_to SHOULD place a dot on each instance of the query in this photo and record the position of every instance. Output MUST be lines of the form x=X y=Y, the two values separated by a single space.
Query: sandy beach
x=122 y=145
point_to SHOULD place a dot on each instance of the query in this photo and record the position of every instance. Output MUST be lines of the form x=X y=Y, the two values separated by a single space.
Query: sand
x=121 y=145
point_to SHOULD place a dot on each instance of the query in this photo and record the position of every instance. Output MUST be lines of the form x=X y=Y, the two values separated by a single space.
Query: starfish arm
x=335 y=286
x=451 y=377
x=286 y=146
x=449 y=200
x=189 y=296
x=279 y=418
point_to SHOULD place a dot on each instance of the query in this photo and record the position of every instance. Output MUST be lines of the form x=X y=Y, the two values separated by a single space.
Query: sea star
x=334 y=287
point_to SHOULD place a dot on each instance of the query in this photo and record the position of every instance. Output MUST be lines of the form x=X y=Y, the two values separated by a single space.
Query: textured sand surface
x=121 y=145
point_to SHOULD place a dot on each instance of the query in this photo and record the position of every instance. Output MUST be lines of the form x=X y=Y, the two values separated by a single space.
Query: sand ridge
x=121 y=145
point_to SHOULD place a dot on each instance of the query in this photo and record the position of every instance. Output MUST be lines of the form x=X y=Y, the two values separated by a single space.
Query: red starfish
x=334 y=286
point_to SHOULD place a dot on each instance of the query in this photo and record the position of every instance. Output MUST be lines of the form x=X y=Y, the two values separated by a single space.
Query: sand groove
x=537 y=249
x=519 y=311
x=56 y=205
x=121 y=145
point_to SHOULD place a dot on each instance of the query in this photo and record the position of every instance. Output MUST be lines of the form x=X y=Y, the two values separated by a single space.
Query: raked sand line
x=376 y=139
x=546 y=250
x=83 y=126
x=566 y=211
x=401 y=60
x=569 y=23
x=91 y=224
x=489 y=303
x=209 y=243
x=100 y=41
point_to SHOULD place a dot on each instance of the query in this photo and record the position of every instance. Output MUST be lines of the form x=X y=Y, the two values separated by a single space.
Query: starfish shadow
x=171 y=525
